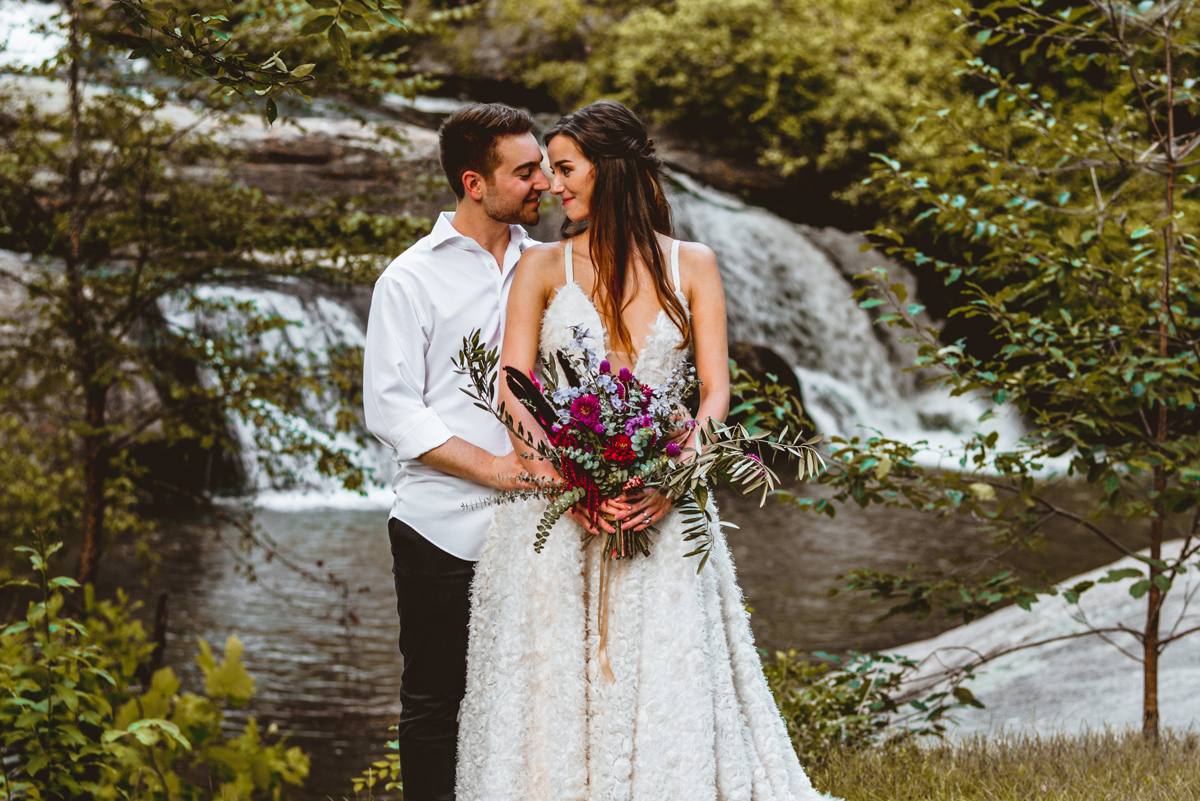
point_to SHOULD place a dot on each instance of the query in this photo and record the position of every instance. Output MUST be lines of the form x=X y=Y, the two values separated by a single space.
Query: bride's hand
x=579 y=514
x=646 y=507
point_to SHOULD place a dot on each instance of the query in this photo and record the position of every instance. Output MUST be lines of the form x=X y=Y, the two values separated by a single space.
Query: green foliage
x=858 y=703
x=1072 y=213
x=386 y=770
x=816 y=86
x=103 y=195
x=224 y=49
x=764 y=406
x=80 y=726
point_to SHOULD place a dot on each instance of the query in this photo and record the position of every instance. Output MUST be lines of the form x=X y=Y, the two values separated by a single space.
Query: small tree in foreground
x=101 y=193
x=1073 y=216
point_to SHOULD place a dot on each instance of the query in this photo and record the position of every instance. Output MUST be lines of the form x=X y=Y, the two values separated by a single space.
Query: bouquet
x=611 y=434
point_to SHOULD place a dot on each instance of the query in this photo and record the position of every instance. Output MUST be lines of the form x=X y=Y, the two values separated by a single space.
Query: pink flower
x=625 y=375
x=605 y=367
x=673 y=449
x=586 y=410
x=598 y=428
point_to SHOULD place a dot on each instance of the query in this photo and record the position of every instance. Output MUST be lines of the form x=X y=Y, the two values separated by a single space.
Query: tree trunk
x=95 y=472
x=1150 y=649
x=1150 y=643
x=82 y=330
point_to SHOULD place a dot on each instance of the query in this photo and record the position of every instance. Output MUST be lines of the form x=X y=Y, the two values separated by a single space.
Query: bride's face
x=573 y=177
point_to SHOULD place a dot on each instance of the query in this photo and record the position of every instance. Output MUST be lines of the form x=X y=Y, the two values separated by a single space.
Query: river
x=327 y=667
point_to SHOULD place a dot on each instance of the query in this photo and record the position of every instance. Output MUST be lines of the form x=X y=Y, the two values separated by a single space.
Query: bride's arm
x=536 y=277
x=706 y=298
x=522 y=327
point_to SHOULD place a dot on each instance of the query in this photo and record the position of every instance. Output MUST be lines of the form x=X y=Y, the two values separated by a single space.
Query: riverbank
x=1111 y=764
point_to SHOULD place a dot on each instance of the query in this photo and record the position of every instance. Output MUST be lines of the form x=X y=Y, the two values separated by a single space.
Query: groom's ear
x=474 y=184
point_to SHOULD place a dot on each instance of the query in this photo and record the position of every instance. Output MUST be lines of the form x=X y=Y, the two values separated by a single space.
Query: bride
x=683 y=711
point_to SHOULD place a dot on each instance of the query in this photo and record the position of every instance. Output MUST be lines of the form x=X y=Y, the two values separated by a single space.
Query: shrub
x=79 y=726
x=858 y=702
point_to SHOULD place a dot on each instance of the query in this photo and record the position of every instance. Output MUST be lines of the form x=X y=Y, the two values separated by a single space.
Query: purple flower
x=635 y=423
x=586 y=410
x=555 y=428
x=672 y=449
x=625 y=375
x=605 y=367
x=598 y=428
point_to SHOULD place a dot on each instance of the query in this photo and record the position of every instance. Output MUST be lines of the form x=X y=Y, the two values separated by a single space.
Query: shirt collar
x=444 y=232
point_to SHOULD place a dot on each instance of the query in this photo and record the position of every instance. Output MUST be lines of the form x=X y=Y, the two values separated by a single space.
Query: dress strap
x=567 y=259
x=675 y=267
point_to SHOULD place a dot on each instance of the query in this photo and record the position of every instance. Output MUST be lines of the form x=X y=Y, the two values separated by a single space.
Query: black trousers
x=433 y=600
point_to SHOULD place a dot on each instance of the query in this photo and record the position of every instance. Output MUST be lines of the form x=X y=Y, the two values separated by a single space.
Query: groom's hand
x=508 y=473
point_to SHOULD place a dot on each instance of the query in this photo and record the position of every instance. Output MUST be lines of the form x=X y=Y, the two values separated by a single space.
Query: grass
x=1095 y=766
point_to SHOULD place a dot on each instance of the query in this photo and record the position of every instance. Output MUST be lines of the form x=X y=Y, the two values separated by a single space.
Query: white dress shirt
x=427 y=300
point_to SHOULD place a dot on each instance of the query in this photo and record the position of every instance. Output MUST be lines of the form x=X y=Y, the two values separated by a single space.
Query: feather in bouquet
x=608 y=434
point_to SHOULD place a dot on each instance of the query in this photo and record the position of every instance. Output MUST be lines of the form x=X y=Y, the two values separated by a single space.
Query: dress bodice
x=570 y=307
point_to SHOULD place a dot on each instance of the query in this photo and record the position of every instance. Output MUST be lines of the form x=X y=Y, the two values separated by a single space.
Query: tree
x=1072 y=218
x=97 y=191
x=808 y=89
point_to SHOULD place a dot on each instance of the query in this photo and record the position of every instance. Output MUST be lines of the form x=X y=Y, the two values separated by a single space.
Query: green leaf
x=983 y=36
x=272 y=110
x=1120 y=575
x=317 y=25
x=303 y=70
x=1139 y=588
x=341 y=46
x=871 y=303
x=1139 y=233
x=228 y=679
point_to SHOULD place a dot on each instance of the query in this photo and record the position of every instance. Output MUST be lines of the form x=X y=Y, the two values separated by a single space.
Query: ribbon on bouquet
x=603 y=615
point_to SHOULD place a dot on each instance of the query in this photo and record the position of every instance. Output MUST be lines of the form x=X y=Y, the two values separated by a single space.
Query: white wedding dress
x=689 y=717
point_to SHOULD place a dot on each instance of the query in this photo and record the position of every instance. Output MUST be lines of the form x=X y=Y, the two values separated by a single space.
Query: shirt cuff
x=419 y=435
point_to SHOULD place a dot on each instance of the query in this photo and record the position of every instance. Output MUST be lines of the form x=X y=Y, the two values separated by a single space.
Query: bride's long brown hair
x=628 y=207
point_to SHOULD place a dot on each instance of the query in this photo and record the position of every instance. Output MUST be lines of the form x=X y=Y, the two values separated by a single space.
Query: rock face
x=1072 y=682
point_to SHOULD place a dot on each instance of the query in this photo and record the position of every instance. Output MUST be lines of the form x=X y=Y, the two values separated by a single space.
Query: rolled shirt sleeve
x=394 y=375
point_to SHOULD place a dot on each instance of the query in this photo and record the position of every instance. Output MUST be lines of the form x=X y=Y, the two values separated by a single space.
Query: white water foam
x=321 y=325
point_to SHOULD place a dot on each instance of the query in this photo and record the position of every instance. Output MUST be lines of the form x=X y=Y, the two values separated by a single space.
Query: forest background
x=1030 y=164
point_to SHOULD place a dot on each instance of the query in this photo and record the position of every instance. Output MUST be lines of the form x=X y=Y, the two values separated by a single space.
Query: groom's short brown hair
x=467 y=139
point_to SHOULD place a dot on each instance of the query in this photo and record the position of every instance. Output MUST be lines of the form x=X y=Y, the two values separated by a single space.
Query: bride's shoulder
x=542 y=263
x=697 y=262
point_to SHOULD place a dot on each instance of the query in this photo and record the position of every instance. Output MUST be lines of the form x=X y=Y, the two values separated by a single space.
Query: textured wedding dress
x=689 y=716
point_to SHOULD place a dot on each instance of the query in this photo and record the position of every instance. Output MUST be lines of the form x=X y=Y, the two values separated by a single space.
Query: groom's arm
x=460 y=458
x=394 y=402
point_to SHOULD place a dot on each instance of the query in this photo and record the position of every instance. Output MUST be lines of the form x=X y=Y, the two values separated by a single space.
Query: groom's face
x=513 y=193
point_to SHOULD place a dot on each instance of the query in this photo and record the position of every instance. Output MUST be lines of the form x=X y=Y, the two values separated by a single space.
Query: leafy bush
x=795 y=84
x=858 y=702
x=79 y=725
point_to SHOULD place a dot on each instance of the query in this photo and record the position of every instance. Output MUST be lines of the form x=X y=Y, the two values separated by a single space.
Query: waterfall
x=788 y=287
x=321 y=325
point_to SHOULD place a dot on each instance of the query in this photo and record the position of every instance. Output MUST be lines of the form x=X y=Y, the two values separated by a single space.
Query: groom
x=429 y=298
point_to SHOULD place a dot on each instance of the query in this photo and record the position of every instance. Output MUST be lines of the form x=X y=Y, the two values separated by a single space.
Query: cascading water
x=320 y=326
x=782 y=290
